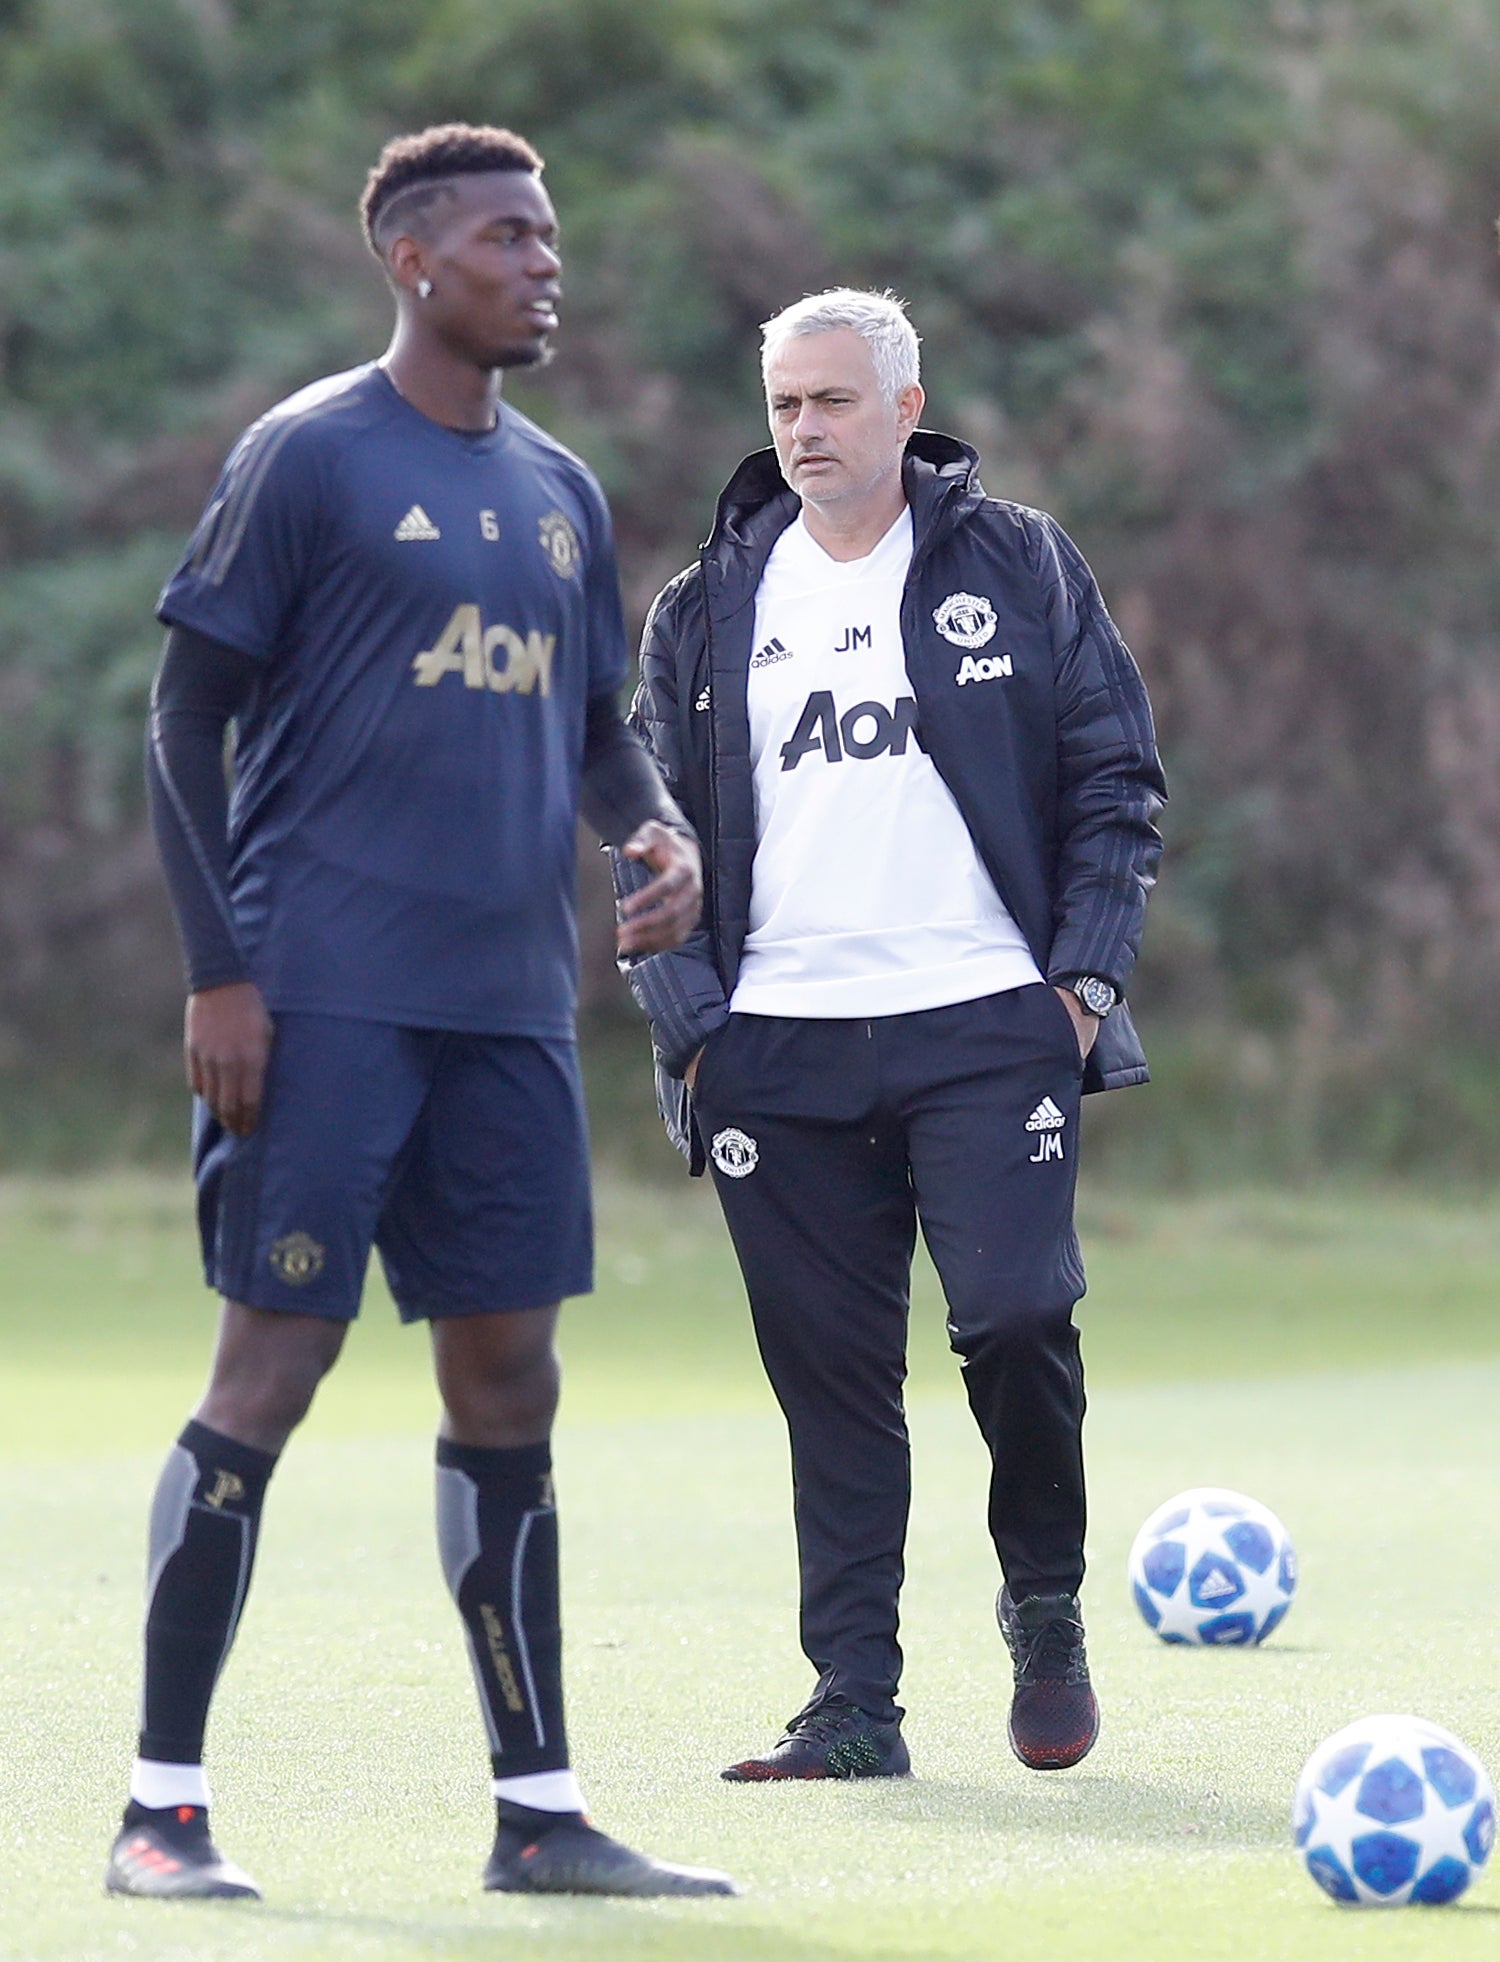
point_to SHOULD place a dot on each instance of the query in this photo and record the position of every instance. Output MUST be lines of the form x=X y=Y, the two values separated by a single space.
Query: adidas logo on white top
x=1046 y=1117
x=416 y=526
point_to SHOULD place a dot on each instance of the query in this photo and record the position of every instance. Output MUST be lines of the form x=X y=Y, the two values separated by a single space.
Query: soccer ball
x=1213 y=1567
x=1391 y=1810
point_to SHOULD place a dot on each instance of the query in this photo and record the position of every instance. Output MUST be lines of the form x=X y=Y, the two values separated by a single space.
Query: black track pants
x=830 y=1141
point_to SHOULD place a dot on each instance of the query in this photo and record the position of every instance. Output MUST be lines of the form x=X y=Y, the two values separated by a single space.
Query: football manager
x=921 y=764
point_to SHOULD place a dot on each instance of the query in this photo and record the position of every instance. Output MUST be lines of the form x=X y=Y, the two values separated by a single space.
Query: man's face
x=836 y=435
x=493 y=262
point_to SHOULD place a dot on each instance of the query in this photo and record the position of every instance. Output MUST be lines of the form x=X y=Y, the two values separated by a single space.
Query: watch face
x=1097 y=996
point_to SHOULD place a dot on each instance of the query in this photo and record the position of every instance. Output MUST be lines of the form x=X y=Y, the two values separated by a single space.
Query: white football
x=1393 y=1810
x=1213 y=1567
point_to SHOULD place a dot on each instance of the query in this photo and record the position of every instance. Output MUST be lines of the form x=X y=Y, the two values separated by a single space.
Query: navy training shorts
x=463 y=1158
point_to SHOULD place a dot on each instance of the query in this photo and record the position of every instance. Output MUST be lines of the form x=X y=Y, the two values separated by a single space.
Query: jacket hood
x=937 y=471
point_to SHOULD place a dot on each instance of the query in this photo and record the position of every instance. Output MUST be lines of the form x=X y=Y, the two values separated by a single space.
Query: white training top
x=867 y=896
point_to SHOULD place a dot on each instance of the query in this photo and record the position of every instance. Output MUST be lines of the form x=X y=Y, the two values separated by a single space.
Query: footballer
x=402 y=599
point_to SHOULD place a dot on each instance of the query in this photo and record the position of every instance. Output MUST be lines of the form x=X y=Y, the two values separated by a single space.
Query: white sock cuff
x=544 y=1791
x=159 y=1785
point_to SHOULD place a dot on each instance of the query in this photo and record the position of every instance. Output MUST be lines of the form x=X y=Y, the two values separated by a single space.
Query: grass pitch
x=1338 y=1358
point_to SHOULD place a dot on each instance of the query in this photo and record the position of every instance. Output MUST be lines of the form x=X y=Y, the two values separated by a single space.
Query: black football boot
x=1054 y=1717
x=168 y=1854
x=830 y=1739
x=561 y=1853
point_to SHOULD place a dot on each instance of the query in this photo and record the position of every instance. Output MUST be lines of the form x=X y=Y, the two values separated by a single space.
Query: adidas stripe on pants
x=830 y=1141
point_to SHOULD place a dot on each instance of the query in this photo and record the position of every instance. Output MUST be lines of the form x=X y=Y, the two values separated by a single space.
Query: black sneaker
x=169 y=1855
x=831 y=1739
x=1054 y=1717
x=573 y=1857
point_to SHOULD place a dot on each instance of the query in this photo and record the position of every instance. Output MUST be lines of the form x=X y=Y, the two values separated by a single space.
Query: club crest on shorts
x=296 y=1259
x=560 y=542
x=735 y=1154
x=967 y=619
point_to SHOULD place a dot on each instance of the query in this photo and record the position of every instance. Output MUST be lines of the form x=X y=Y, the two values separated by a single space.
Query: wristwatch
x=1097 y=995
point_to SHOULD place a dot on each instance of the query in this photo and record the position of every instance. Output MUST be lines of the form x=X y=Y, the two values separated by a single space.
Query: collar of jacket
x=939 y=474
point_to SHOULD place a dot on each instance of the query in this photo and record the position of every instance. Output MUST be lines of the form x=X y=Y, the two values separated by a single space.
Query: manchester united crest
x=967 y=619
x=296 y=1259
x=560 y=543
x=735 y=1153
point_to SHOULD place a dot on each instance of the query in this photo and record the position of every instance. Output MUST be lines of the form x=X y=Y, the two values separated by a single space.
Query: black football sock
x=184 y=1826
x=521 y=1825
x=205 y=1520
x=497 y=1533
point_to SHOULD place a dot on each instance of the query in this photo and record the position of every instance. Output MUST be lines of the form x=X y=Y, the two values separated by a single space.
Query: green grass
x=1339 y=1357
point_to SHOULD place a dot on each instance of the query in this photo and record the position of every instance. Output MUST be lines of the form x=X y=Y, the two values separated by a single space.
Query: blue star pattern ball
x=1213 y=1567
x=1393 y=1810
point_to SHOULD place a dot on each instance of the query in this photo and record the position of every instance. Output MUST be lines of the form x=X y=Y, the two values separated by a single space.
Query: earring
x=424 y=289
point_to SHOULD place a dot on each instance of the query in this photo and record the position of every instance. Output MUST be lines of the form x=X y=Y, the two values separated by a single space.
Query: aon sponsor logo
x=487 y=657
x=986 y=667
x=868 y=729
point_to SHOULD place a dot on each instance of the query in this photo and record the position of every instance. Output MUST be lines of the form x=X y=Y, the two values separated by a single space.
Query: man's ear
x=405 y=261
x=909 y=407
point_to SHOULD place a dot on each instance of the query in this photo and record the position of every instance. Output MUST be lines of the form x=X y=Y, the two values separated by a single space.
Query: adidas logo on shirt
x=1046 y=1117
x=770 y=654
x=416 y=527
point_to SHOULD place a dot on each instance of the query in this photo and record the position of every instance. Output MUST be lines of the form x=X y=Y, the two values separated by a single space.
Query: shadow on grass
x=559 y=1926
x=1114 y=1811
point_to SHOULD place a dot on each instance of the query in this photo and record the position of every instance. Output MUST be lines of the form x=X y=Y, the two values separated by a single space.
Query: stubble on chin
x=526 y=354
x=819 y=490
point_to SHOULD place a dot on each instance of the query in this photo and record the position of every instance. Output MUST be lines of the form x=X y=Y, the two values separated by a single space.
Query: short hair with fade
x=414 y=172
x=879 y=318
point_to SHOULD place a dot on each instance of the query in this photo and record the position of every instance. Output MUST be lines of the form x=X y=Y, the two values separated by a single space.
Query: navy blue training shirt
x=431 y=610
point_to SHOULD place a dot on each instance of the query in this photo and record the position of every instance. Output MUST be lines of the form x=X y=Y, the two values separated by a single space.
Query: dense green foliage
x=1210 y=278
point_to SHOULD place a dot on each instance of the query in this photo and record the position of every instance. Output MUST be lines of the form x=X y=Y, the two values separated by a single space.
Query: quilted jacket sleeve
x=1110 y=783
x=680 y=993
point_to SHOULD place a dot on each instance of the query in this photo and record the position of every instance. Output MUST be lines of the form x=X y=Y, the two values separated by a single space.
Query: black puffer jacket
x=1046 y=743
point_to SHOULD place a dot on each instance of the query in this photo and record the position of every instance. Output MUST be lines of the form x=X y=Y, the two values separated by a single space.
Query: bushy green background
x=1213 y=279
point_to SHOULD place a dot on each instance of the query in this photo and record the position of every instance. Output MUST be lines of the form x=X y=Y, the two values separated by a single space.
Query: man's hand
x=1085 y=1026
x=662 y=914
x=227 y=1041
x=690 y=1074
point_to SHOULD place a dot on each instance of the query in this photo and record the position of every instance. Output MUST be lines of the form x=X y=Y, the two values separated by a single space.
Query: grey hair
x=879 y=318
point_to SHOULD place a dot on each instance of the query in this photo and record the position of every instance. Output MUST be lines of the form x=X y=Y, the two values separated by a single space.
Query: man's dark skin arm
x=226 y=1042
x=200 y=687
x=624 y=799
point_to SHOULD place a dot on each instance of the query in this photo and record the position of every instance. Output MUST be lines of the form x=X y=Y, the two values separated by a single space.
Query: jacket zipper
x=713 y=762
